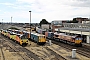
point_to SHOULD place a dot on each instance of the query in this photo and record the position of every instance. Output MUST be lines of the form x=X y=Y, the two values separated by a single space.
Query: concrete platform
x=66 y=54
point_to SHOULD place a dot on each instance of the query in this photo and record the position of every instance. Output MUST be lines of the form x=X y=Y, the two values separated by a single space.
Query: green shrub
x=14 y=28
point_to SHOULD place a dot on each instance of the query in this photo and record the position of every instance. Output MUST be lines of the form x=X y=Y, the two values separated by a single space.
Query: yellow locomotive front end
x=42 y=39
x=78 y=41
x=4 y=33
x=23 y=40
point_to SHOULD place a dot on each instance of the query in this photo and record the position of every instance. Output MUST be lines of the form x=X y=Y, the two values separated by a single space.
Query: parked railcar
x=40 y=31
x=16 y=31
x=21 y=39
x=20 y=32
x=9 y=30
x=73 y=40
x=27 y=34
x=8 y=34
x=38 y=38
x=12 y=36
x=58 y=36
x=1 y=31
x=49 y=35
x=4 y=32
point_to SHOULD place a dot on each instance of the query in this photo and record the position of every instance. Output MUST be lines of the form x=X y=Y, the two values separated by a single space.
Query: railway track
x=26 y=54
x=46 y=53
x=57 y=57
x=2 y=54
x=81 y=50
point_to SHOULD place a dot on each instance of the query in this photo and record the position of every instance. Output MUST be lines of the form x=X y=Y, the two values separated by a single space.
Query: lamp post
x=30 y=24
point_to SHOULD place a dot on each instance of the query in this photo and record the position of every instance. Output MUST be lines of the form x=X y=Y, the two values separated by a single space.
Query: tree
x=43 y=21
x=75 y=21
x=13 y=28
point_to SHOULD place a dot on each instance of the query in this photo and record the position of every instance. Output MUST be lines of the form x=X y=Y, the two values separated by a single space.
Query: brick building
x=79 y=19
x=56 y=24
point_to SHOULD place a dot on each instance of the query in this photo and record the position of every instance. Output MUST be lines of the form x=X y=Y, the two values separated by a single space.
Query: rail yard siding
x=64 y=53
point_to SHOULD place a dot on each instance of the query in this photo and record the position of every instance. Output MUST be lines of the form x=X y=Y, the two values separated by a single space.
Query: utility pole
x=30 y=26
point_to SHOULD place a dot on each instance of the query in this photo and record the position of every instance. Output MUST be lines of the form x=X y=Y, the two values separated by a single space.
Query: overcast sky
x=43 y=9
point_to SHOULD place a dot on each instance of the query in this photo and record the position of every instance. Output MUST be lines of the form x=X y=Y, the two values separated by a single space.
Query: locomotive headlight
x=27 y=41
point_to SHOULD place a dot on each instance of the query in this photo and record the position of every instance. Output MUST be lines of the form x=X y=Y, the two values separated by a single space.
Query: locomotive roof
x=24 y=31
x=40 y=35
x=12 y=33
x=37 y=34
x=5 y=30
x=16 y=30
x=59 y=33
x=28 y=32
x=74 y=36
x=50 y=32
x=20 y=34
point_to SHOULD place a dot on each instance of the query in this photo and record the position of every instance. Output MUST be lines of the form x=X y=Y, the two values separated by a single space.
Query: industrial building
x=82 y=29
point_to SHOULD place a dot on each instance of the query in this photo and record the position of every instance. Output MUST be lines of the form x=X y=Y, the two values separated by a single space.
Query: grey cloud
x=80 y=3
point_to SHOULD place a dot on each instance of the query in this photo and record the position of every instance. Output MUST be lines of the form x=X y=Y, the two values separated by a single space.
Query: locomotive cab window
x=80 y=38
x=77 y=39
x=40 y=36
x=23 y=37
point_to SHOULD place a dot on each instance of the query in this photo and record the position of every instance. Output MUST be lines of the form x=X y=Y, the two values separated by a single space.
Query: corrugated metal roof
x=76 y=29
